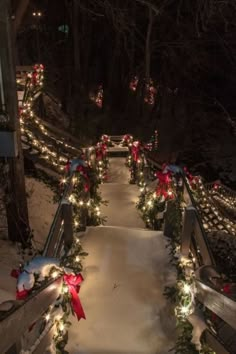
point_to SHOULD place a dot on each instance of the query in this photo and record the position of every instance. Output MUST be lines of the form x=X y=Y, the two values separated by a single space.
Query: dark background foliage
x=188 y=49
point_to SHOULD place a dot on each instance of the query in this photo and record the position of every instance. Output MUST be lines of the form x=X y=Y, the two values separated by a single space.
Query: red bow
x=227 y=289
x=164 y=178
x=101 y=150
x=82 y=170
x=15 y=273
x=105 y=138
x=67 y=167
x=135 y=152
x=127 y=138
x=21 y=295
x=73 y=282
x=188 y=174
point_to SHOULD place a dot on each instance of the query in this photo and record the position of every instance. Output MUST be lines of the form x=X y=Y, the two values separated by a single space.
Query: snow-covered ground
x=125 y=274
x=41 y=209
x=41 y=212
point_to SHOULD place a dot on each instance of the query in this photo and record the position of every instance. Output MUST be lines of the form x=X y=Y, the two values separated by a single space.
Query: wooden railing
x=194 y=239
x=15 y=324
x=61 y=230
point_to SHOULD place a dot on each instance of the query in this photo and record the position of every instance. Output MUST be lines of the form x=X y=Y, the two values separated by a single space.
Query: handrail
x=26 y=313
x=193 y=203
x=222 y=186
x=49 y=247
x=221 y=304
x=31 y=310
x=199 y=221
x=215 y=343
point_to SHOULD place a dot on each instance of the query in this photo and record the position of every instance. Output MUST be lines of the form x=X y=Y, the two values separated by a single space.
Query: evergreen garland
x=177 y=294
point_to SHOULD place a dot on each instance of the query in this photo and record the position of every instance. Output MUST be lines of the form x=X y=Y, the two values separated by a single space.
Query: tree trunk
x=148 y=46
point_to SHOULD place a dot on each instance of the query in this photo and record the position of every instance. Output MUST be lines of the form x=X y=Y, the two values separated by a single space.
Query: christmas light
x=55 y=274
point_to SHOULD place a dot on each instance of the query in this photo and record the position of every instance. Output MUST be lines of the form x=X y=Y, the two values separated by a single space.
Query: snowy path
x=125 y=274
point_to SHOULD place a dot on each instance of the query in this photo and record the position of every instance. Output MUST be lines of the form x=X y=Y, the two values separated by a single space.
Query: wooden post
x=188 y=227
x=68 y=224
x=17 y=211
x=168 y=227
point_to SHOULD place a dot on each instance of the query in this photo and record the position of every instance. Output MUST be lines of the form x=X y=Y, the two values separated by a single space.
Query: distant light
x=38 y=14
x=63 y=28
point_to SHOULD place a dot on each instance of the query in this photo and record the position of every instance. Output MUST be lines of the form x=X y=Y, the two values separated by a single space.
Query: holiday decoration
x=182 y=294
x=73 y=283
x=127 y=140
x=32 y=275
x=105 y=139
x=150 y=92
x=134 y=83
x=33 y=132
x=101 y=160
x=97 y=96
x=38 y=268
x=152 y=204
x=75 y=164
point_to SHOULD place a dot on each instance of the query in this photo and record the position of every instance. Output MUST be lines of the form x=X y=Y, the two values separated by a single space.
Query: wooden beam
x=17 y=322
x=188 y=228
x=221 y=305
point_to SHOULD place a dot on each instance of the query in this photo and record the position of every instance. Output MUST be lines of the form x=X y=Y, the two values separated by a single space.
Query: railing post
x=188 y=228
x=68 y=224
x=168 y=225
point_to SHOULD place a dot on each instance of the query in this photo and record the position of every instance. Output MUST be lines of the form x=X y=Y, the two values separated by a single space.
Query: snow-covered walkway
x=125 y=274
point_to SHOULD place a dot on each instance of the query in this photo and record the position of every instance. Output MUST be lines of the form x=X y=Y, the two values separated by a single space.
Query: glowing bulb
x=65 y=289
x=61 y=326
x=47 y=317
x=186 y=288
x=77 y=259
x=55 y=274
x=184 y=310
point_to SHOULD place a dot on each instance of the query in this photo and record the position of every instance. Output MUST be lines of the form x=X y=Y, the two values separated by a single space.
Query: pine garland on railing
x=85 y=198
x=182 y=293
x=152 y=204
x=127 y=140
x=101 y=161
x=52 y=149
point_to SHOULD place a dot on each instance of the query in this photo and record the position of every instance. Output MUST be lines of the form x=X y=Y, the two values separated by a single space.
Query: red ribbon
x=188 y=175
x=163 y=187
x=21 y=295
x=101 y=150
x=83 y=171
x=15 y=273
x=135 y=152
x=67 y=166
x=127 y=138
x=227 y=289
x=73 y=282
x=164 y=178
x=105 y=138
